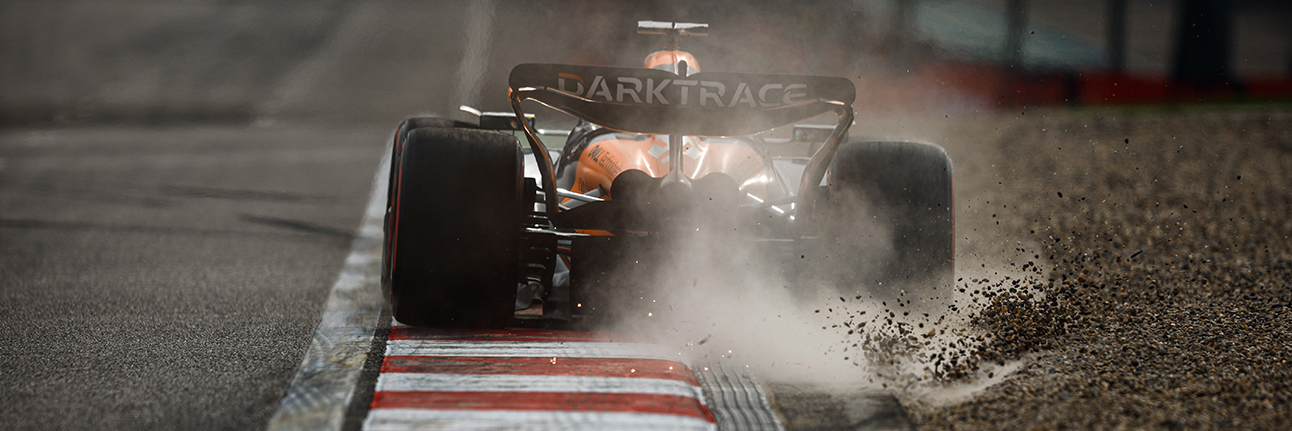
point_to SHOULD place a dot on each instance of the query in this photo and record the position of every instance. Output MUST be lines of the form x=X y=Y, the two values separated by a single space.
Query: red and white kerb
x=533 y=380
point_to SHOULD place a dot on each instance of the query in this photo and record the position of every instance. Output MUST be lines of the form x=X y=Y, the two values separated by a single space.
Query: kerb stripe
x=522 y=383
x=550 y=366
x=480 y=420
x=536 y=401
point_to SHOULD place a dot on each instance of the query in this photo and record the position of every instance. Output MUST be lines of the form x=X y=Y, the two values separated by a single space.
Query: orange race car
x=479 y=226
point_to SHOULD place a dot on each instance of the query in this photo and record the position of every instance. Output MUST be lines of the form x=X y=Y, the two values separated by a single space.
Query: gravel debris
x=1149 y=282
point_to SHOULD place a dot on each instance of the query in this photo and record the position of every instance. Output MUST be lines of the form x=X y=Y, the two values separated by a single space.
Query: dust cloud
x=721 y=299
x=723 y=302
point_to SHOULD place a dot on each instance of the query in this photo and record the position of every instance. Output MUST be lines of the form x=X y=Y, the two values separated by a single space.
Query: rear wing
x=653 y=101
x=656 y=101
x=670 y=28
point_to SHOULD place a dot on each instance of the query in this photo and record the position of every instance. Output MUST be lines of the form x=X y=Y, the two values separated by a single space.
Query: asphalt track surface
x=168 y=278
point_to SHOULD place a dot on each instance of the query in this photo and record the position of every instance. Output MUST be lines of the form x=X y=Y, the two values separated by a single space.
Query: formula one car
x=658 y=154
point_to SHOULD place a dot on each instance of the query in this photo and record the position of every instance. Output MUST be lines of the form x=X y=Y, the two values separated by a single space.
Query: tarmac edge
x=319 y=394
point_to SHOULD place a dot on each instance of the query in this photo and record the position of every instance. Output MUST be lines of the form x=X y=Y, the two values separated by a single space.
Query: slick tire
x=396 y=146
x=455 y=229
x=408 y=125
x=890 y=215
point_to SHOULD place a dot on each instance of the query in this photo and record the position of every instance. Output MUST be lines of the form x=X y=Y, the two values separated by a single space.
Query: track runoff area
x=507 y=379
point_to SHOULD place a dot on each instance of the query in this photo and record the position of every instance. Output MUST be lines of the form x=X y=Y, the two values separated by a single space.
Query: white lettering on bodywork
x=712 y=93
x=603 y=90
x=793 y=97
x=620 y=90
x=653 y=92
x=762 y=95
x=686 y=85
x=579 y=90
x=705 y=95
x=742 y=95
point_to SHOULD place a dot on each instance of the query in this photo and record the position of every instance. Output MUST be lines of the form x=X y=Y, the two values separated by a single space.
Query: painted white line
x=528 y=383
x=320 y=391
x=533 y=349
x=470 y=420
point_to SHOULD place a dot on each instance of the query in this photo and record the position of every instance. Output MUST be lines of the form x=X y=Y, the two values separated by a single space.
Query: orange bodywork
x=661 y=58
x=605 y=159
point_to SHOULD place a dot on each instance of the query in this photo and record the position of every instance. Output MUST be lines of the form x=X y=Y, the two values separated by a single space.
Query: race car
x=479 y=226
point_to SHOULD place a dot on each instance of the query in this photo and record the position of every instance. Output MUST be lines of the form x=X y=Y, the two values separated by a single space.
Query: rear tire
x=455 y=228
x=889 y=214
x=396 y=146
x=401 y=135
